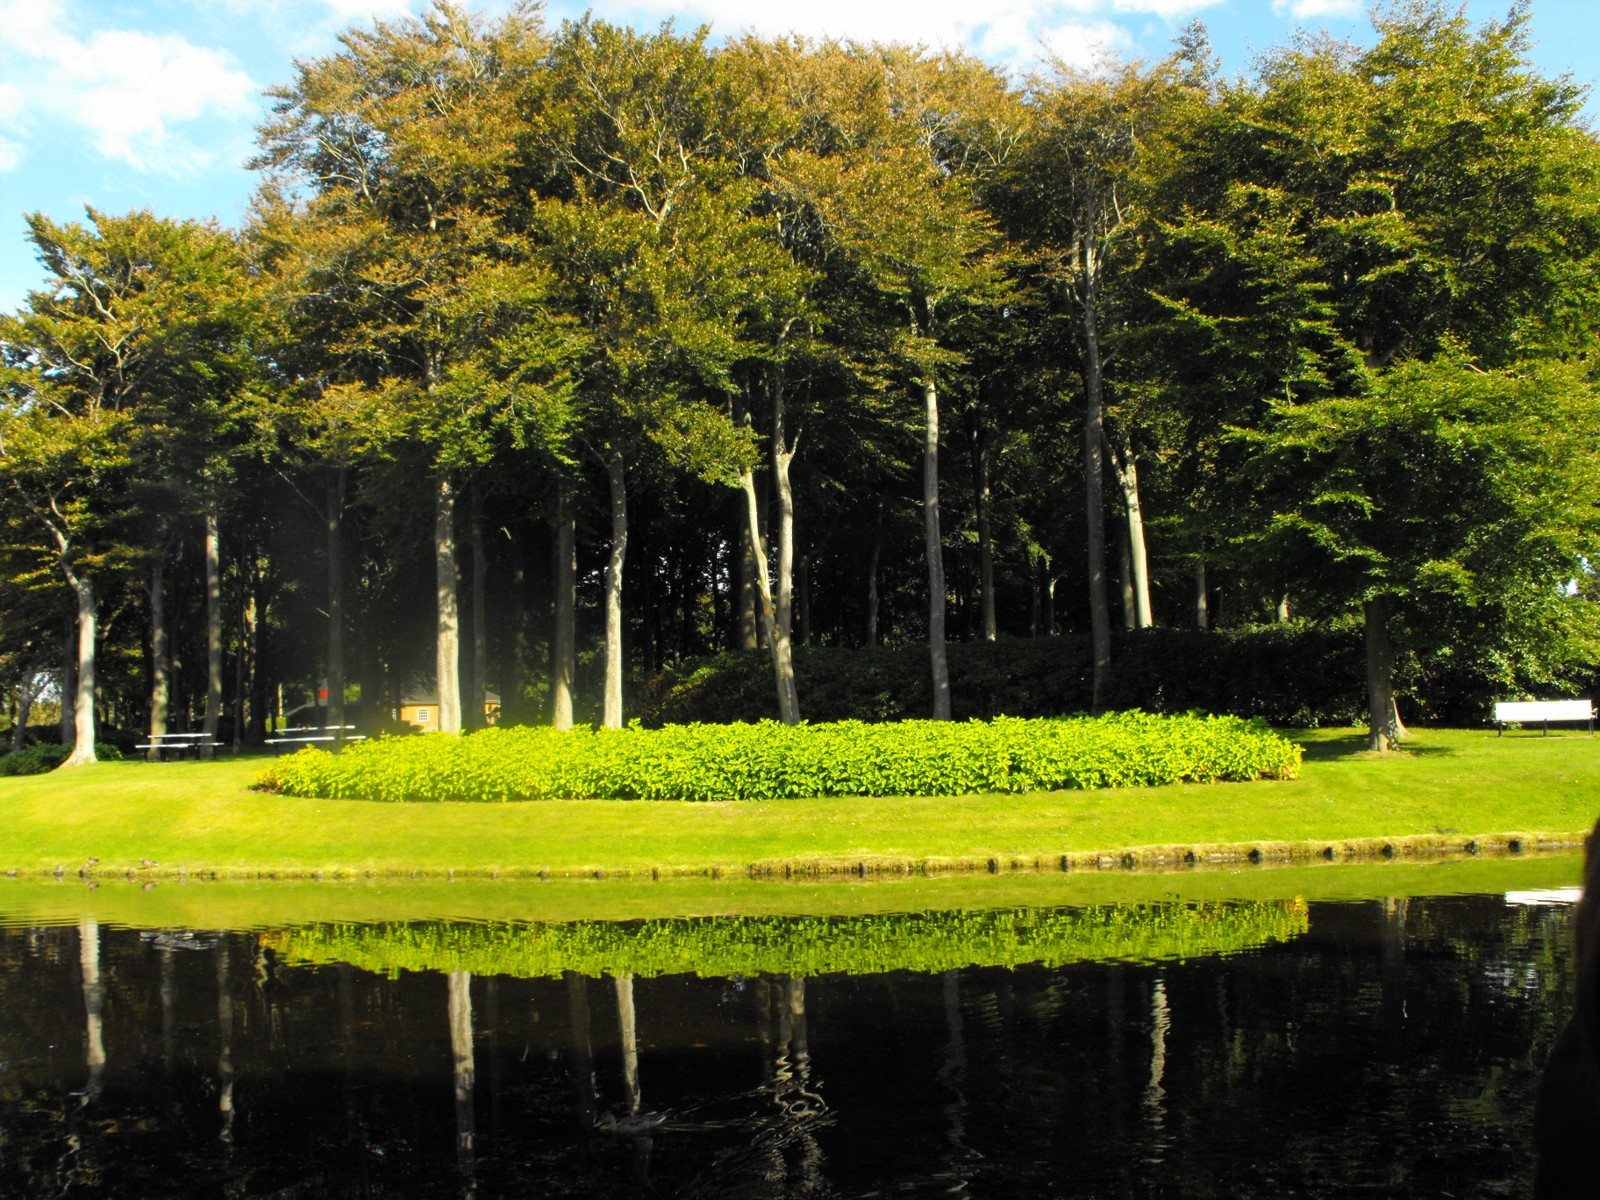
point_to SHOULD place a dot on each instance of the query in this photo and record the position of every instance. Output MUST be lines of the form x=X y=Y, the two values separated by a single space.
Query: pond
x=1349 y=1031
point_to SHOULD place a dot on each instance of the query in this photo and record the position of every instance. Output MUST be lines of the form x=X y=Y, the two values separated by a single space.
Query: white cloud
x=1304 y=10
x=1164 y=8
x=131 y=89
x=32 y=26
x=1006 y=31
x=350 y=12
x=1083 y=46
x=131 y=92
x=304 y=15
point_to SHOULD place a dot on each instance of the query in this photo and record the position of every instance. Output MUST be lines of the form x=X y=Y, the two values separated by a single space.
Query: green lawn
x=1446 y=789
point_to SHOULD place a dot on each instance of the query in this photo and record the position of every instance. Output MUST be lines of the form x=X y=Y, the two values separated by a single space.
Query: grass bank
x=1448 y=789
x=285 y=903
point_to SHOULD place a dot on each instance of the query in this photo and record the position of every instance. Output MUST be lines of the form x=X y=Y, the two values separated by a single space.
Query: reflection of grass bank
x=1455 y=787
x=277 y=904
x=807 y=946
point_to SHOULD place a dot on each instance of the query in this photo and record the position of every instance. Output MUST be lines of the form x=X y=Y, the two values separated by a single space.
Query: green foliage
x=1294 y=674
x=1470 y=497
x=46 y=757
x=804 y=946
x=768 y=760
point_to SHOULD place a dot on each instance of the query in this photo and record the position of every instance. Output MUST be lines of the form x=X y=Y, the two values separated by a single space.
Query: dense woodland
x=550 y=359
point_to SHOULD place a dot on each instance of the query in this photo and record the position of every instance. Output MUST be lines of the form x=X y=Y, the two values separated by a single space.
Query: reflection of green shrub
x=722 y=946
x=37 y=760
x=738 y=762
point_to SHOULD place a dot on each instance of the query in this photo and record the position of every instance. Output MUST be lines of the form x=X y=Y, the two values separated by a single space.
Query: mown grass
x=1446 y=789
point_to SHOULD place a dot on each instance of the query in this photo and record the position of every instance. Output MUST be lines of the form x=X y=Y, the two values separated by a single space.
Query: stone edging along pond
x=1170 y=858
x=1144 y=859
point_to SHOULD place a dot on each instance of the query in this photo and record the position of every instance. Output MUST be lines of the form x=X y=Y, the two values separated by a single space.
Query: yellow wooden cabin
x=423 y=714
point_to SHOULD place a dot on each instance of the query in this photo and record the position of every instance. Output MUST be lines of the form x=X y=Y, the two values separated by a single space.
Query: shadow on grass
x=1354 y=745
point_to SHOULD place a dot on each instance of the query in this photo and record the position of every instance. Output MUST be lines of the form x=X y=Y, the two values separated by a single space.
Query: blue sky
x=125 y=104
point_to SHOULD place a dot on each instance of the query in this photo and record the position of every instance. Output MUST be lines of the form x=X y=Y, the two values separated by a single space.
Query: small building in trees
x=423 y=713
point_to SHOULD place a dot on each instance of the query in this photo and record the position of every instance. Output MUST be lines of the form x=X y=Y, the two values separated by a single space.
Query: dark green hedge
x=1289 y=675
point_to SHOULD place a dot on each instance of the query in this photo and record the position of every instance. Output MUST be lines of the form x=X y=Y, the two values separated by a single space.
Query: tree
x=1361 y=212
x=660 y=254
x=1074 y=191
x=907 y=235
x=1451 y=503
x=120 y=381
x=409 y=138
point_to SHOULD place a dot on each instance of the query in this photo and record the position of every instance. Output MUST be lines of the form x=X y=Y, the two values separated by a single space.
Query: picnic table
x=312 y=735
x=178 y=744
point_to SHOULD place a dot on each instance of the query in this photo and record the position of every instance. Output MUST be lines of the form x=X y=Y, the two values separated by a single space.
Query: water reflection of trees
x=1386 y=1051
x=775 y=1152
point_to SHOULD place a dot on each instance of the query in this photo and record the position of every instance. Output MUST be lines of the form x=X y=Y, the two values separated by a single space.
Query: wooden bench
x=177 y=743
x=298 y=737
x=1544 y=711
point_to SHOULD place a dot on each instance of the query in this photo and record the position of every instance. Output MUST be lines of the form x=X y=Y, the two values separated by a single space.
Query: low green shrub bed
x=804 y=946
x=768 y=760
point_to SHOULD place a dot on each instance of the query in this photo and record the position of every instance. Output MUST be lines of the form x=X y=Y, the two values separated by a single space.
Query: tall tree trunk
x=160 y=665
x=783 y=649
x=249 y=719
x=935 y=551
x=83 y=728
x=1130 y=615
x=27 y=691
x=260 y=652
x=513 y=702
x=615 y=475
x=69 y=683
x=1093 y=479
x=335 y=673
x=749 y=639
x=1202 y=602
x=983 y=495
x=477 y=703
x=788 y=700
x=1283 y=609
x=1126 y=467
x=871 y=632
x=564 y=641
x=1385 y=730
x=749 y=631
x=447 y=649
x=1035 y=564
x=803 y=604
x=213 y=554
x=239 y=662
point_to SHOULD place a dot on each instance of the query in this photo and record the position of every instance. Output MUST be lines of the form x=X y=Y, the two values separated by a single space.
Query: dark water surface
x=1382 y=1047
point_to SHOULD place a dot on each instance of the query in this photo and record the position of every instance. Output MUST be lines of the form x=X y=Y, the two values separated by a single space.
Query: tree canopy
x=550 y=358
